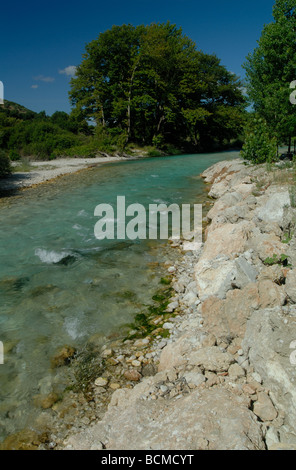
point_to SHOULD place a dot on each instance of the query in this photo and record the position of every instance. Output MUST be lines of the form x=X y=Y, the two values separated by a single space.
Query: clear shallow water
x=59 y=284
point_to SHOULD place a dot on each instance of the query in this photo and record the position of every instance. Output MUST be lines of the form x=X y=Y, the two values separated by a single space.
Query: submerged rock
x=101 y=382
x=132 y=375
x=46 y=401
x=26 y=439
x=63 y=357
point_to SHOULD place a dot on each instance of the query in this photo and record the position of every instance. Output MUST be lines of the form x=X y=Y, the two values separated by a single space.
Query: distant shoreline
x=48 y=170
x=45 y=171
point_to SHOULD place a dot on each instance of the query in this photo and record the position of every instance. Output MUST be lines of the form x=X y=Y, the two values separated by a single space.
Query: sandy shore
x=43 y=171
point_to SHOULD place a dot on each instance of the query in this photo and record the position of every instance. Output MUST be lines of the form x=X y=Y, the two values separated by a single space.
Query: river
x=59 y=284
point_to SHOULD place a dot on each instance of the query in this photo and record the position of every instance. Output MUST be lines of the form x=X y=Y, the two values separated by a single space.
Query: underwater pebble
x=101 y=382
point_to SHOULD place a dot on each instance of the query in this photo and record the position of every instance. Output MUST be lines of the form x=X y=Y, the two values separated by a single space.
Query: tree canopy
x=271 y=68
x=151 y=85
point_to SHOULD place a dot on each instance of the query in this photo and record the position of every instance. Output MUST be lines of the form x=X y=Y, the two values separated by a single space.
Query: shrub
x=259 y=146
x=154 y=152
x=84 y=150
x=14 y=156
x=5 y=168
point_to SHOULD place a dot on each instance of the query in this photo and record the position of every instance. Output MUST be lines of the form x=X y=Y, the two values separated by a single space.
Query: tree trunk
x=129 y=125
x=160 y=120
x=103 y=116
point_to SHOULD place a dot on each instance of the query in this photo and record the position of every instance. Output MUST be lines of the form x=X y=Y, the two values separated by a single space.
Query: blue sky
x=39 y=41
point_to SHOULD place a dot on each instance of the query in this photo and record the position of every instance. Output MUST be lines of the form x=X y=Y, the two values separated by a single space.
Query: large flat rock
x=214 y=419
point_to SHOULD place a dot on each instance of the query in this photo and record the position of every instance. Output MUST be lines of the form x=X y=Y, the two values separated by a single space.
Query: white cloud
x=42 y=78
x=34 y=86
x=70 y=71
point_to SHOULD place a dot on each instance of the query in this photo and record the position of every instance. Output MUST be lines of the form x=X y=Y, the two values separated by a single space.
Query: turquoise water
x=59 y=284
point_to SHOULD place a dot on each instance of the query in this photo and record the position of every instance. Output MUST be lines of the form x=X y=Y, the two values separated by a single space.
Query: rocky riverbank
x=226 y=375
x=217 y=369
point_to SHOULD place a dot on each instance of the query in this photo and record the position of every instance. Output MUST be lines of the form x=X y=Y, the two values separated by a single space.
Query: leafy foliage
x=259 y=145
x=283 y=260
x=25 y=133
x=5 y=169
x=271 y=68
x=154 y=86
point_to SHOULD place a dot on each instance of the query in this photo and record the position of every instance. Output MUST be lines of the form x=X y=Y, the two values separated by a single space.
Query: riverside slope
x=225 y=377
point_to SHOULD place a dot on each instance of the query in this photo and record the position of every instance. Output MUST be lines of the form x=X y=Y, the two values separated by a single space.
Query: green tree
x=151 y=84
x=270 y=70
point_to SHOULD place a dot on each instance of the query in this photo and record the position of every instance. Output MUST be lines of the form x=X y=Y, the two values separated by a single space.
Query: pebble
x=172 y=306
x=112 y=361
x=131 y=358
x=136 y=363
x=120 y=358
x=107 y=352
x=132 y=375
x=168 y=326
x=101 y=382
x=114 y=386
x=141 y=342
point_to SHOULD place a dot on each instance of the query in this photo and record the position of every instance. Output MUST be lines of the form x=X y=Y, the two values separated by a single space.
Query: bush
x=85 y=150
x=14 y=156
x=158 y=141
x=5 y=168
x=259 y=146
x=153 y=152
x=40 y=139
